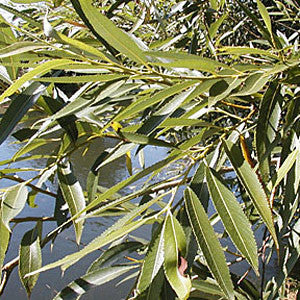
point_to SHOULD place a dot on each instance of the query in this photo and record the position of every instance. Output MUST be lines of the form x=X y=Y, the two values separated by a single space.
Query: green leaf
x=208 y=242
x=144 y=102
x=30 y=258
x=73 y=195
x=251 y=183
x=5 y=235
x=246 y=50
x=13 y=201
x=97 y=243
x=142 y=139
x=181 y=284
x=215 y=26
x=112 y=34
x=82 y=78
x=207 y=286
x=38 y=71
x=184 y=60
x=153 y=261
x=284 y=169
x=163 y=113
x=7 y=37
x=19 y=47
x=18 y=108
x=233 y=217
x=111 y=255
x=265 y=15
x=88 y=281
x=268 y=120
x=33 y=144
x=199 y=186
x=254 y=83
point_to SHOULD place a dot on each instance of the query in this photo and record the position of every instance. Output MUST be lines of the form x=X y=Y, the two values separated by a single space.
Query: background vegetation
x=216 y=82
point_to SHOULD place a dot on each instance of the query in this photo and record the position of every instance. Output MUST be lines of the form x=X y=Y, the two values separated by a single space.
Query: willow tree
x=214 y=82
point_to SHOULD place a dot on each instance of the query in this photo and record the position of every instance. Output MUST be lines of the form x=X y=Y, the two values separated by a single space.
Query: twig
x=32 y=219
x=32 y=186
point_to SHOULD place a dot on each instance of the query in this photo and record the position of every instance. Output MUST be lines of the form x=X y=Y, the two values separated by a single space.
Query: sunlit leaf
x=233 y=218
x=72 y=193
x=153 y=260
x=172 y=240
x=13 y=202
x=112 y=34
x=250 y=181
x=208 y=242
x=5 y=235
x=92 y=279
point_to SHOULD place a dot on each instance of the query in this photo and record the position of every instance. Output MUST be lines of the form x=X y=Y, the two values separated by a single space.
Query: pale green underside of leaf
x=90 y=280
x=13 y=201
x=5 y=234
x=72 y=194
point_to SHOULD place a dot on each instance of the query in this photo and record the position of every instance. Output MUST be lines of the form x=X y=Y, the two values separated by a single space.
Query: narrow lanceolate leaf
x=19 y=47
x=180 y=283
x=13 y=201
x=18 y=108
x=30 y=258
x=208 y=243
x=113 y=254
x=38 y=71
x=96 y=278
x=5 y=234
x=284 y=169
x=233 y=217
x=268 y=120
x=265 y=15
x=73 y=195
x=250 y=181
x=153 y=260
x=111 y=33
x=97 y=243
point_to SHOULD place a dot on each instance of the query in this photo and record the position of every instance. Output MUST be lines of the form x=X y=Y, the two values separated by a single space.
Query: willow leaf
x=95 y=244
x=246 y=50
x=180 y=283
x=184 y=60
x=111 y=255
x=38 y=71
x=233 y=217
x=13 y=201
x=19 y=47
x=5 y=235
x=265 y=15
x=153 y=261
x=18 y=108
x=90 y=280
x=144 y=102
x=30 y=258
x=208 y=242
x=251 y=183
x=268 y=120
x=284 y=169
x=111 y=33
x=72 y=194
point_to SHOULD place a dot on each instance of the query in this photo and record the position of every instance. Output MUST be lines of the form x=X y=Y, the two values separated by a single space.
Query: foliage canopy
x=215 y=82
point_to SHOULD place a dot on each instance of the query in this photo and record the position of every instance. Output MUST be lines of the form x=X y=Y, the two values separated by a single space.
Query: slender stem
x=32 y=186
